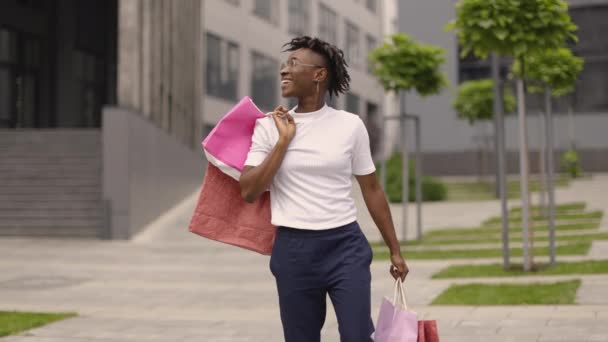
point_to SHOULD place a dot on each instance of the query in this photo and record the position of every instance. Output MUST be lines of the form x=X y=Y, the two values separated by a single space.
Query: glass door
x=19 y=79
x=8 y=78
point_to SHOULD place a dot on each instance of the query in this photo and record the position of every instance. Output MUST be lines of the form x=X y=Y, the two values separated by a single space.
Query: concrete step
x=48 y=189
x=52 y=178
x=60 y=213
x=75 y=232
x=49 y=170
x=16 y=136
x=50 y=222
x=67 y=181
x=51 y=196
x=46 y=159
x=51 y=182
x=71 y=204
x=28 y=153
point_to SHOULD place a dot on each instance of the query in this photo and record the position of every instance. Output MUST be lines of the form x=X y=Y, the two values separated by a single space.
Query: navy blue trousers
x=310 y=264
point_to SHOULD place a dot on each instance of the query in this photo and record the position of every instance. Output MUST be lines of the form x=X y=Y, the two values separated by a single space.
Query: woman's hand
x=399 y=268
x=285 y=123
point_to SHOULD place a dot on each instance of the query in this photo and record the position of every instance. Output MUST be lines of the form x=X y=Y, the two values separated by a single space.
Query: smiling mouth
x=284 y=82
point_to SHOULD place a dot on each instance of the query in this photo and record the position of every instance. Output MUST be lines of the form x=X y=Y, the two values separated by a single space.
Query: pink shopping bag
x=230 y=139
x=221 y=214
x=395 y=322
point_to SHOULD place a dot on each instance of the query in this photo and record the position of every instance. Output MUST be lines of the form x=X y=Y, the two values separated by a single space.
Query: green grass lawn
x=580 y=248
x=496 y=270
x=537 y=237
x=577 y=244
x=485 y=190
x=510 y=294
x=516 y=218
x=576 y=206
x=482 y=233
x=12 y=322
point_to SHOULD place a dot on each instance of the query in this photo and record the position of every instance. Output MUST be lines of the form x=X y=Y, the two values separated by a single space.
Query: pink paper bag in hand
x=395 y=322
x=230 y=139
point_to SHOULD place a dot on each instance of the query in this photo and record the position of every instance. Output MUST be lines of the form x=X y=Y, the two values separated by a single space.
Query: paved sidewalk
x=170 y=285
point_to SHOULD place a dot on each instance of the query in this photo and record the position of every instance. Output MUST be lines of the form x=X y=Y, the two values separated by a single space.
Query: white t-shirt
x=311 y=189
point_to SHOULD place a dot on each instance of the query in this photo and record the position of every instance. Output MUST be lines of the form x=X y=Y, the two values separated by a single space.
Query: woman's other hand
x=399 y=268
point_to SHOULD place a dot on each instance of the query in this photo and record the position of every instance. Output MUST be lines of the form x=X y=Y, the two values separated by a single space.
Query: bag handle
x=399 y=294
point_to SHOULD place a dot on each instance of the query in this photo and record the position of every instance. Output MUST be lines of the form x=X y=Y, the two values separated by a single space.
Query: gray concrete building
x=243 y=51
x=100 y=119
x=451 y=145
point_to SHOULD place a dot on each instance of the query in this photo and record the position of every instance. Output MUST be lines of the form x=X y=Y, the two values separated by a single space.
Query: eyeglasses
x=292 y=63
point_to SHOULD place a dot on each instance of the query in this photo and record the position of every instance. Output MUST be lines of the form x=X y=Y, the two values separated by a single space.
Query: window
x=88 y=72
x=264 y=77
x=371 y=5
x=207 y=128
x=6 y=97
x=19 y=79
x=299 y=17
x=473 y=68
x=8 y=59
x=292 y=102
x=590 y=94
x=267 y=10
x=352 y=103
x=374 y=127
x=331 y=101
x=371 y=44
x=8 y=46
x=222 y=70
x=327 y=24
x=352 y=52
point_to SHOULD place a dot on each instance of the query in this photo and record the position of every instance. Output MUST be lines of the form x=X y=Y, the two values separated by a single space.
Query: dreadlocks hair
x=339 y=80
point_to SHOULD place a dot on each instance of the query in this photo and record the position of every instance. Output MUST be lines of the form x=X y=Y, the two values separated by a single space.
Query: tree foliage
x=512 y=27
x=557 y=68
x=475 y=99
x=404 y=64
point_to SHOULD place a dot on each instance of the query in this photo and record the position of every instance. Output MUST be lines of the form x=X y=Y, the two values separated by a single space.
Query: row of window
x=223 y=56
x=352 y=104
x=328 y=27
x=222 y=76
x=590 y=92
x=267 y=10
x=299 y=23
x=222 y=72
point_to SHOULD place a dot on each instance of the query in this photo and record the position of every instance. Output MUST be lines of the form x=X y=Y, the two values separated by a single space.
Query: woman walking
x=306 y=157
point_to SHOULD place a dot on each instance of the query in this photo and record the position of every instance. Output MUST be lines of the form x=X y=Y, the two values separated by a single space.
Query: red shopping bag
x=221 y=214
x=427 y=331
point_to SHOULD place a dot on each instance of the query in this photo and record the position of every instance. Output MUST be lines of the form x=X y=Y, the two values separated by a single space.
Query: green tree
x=401 y=64
x=511 y=27
x=474 y=100
x=404 y=64
x=515 y=28
x=556 y=68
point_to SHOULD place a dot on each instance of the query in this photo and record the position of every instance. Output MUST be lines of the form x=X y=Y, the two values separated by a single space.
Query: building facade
x=99 y=114
x=243 y=42
x=451 y=146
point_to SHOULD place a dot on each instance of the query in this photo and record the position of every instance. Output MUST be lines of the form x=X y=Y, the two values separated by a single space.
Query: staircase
x=50 y=183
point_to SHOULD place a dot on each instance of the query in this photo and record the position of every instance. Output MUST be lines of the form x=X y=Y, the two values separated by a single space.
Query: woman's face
x=299 y=72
